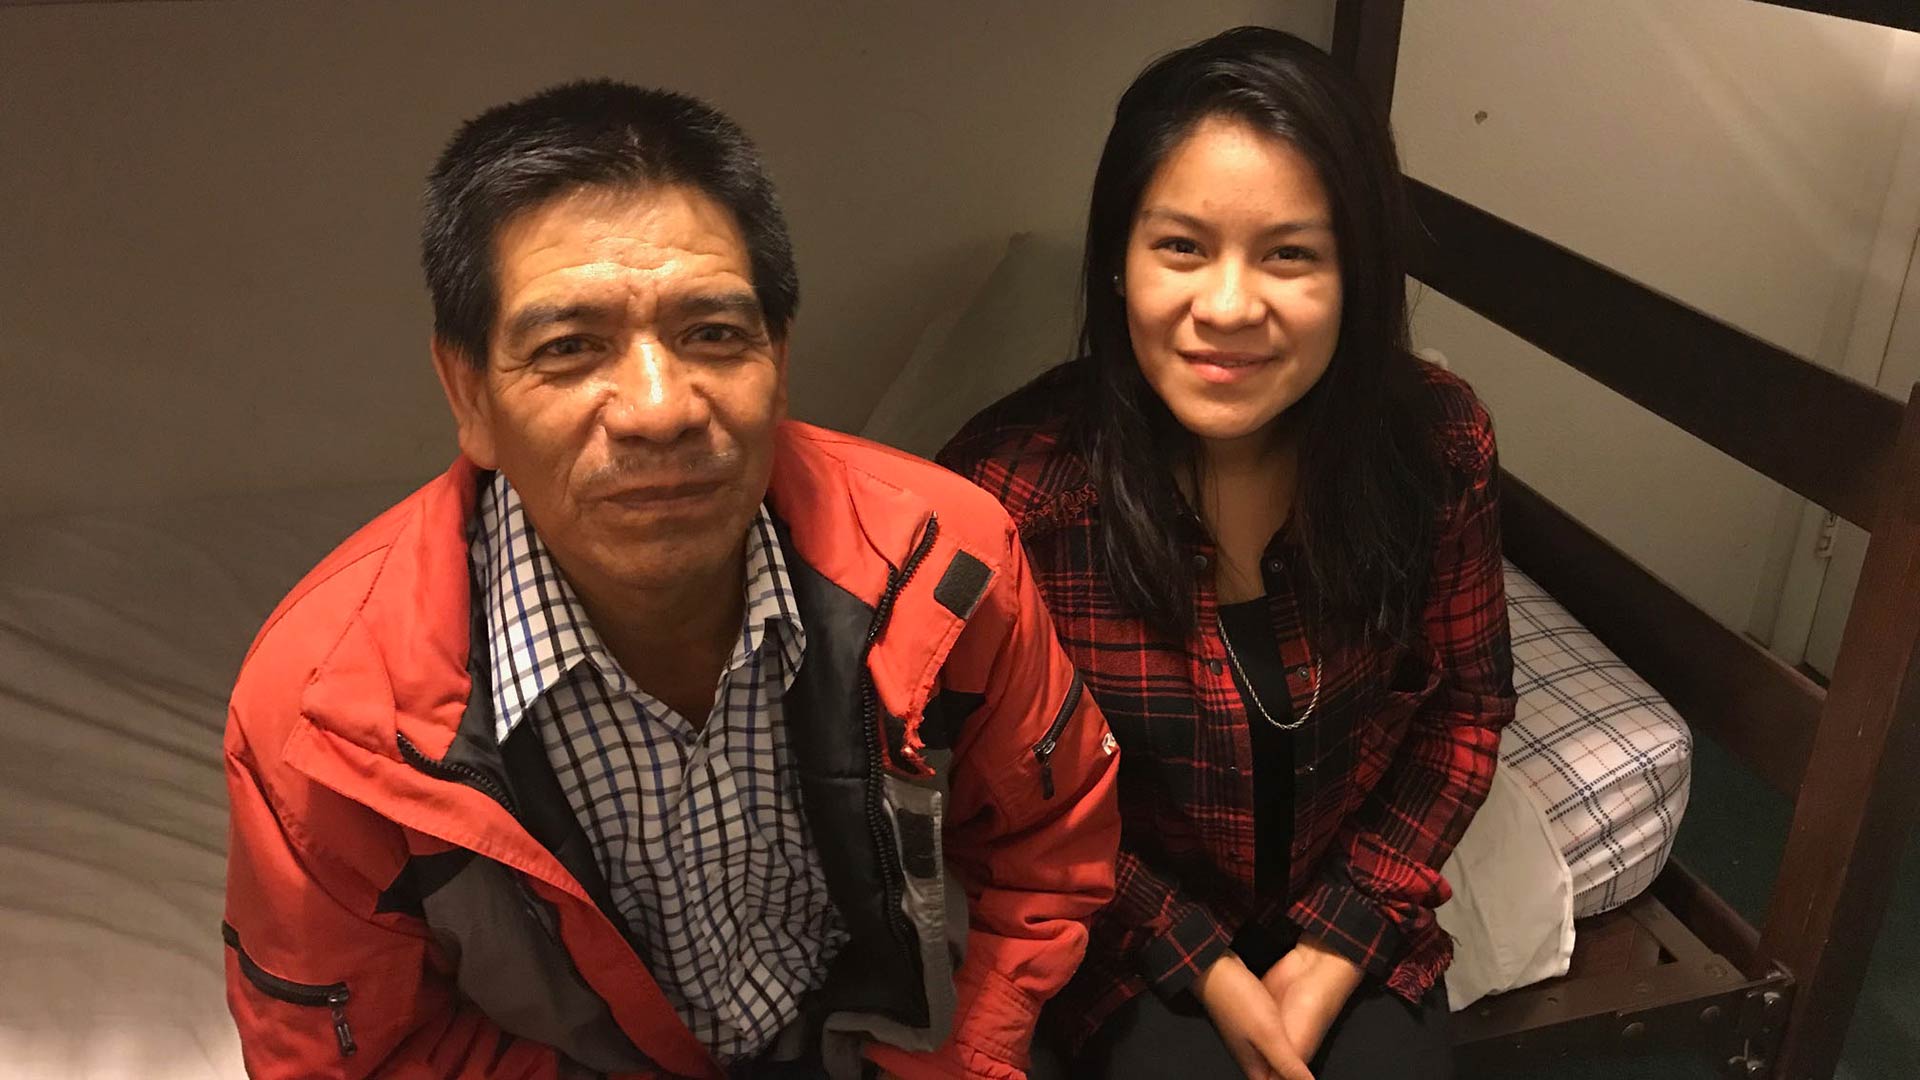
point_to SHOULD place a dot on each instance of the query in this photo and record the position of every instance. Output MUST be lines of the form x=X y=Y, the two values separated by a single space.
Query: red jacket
x=1389 y=767
x=406 y=897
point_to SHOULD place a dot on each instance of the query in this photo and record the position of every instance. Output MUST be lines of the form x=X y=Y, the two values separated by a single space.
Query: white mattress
x=119 y=637
x=1606 y=758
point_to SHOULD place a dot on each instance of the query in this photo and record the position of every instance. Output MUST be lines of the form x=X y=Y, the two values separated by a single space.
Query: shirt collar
x=538 y=630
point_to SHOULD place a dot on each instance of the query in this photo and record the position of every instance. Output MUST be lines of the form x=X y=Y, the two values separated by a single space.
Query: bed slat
x=1760 y=709
x=1817 y=432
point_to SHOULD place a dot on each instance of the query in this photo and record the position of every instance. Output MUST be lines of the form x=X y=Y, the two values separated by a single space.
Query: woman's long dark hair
x=1370 y=477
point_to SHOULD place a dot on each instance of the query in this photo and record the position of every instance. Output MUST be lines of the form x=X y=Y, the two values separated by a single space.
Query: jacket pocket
x=330 y=996
x=1043 y=750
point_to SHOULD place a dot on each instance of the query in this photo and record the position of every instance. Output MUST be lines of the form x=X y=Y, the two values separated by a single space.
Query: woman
x=1269 y=539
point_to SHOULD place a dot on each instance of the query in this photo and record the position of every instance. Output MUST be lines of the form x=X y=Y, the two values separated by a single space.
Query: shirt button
x=1199 y=562
x=1301 y=672
x=1215 y=667
x=1273 y=566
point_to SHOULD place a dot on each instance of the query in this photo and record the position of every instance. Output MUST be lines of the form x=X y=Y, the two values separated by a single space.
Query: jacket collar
x=400 y=669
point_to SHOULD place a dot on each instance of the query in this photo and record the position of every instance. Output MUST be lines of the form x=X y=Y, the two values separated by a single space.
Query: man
x=659 y=736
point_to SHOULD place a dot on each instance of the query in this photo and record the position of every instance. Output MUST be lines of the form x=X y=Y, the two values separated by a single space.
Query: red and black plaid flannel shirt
x=1388 y=769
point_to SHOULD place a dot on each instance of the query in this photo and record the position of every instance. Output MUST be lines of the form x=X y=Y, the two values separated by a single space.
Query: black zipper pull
x=338 y=1001
x=305 y=995
x=1043 y=750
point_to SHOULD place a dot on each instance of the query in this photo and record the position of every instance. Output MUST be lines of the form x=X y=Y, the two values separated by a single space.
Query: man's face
x=631 y=389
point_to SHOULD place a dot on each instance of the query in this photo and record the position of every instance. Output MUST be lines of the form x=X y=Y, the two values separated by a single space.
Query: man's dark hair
x=597 y=133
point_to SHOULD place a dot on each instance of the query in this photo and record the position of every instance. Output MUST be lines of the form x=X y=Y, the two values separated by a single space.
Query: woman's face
x=1232 y=281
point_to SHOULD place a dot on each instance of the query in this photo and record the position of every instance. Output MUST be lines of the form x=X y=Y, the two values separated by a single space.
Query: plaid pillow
x=1607 y=757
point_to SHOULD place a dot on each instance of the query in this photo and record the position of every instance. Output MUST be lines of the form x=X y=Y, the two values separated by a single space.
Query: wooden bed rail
x=1813 y=430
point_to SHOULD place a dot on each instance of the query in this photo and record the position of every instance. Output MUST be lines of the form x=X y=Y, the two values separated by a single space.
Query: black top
x=1249 y=630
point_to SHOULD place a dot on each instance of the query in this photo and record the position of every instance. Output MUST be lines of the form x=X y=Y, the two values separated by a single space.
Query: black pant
x=1378 y=1036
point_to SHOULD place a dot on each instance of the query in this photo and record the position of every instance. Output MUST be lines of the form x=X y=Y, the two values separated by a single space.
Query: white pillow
x=1511 y=916
x=1015 y=326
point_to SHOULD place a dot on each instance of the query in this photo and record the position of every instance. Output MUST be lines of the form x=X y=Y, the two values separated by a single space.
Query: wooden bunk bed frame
x=1678 y=967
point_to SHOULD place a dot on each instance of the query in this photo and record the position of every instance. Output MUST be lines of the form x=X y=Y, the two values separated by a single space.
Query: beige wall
x=1735 y=155
x=207 y=263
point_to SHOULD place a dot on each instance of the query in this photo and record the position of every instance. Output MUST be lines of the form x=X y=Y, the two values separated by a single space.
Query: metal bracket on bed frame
x=1674 y=993
x=1762 y=1024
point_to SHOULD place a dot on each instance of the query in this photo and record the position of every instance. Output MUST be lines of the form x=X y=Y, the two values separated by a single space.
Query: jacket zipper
x=893 y=879
x=333 y=996
x=463 y=774
x=488 y=786
x=1043 y=750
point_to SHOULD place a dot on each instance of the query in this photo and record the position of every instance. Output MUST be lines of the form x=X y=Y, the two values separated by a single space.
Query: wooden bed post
x=1859 y=794
x=1366 y=38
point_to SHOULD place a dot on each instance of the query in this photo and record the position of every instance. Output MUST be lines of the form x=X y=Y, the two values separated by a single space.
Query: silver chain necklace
x=1254 y=695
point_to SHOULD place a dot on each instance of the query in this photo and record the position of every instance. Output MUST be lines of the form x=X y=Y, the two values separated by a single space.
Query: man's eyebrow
x=1188 y=221
x=536 y=316
x=741 y=303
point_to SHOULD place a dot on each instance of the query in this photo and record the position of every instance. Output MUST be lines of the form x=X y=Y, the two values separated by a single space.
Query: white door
x=1879 y=344
x=1900 y=369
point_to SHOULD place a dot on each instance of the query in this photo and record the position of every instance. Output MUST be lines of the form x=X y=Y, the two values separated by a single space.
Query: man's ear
x=465 y=385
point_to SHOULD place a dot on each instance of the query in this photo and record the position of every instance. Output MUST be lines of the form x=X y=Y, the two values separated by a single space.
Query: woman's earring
x=1117 y=287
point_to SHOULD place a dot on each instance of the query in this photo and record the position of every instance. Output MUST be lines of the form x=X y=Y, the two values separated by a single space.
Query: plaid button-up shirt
x=699 y=833
x=1390 y=766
